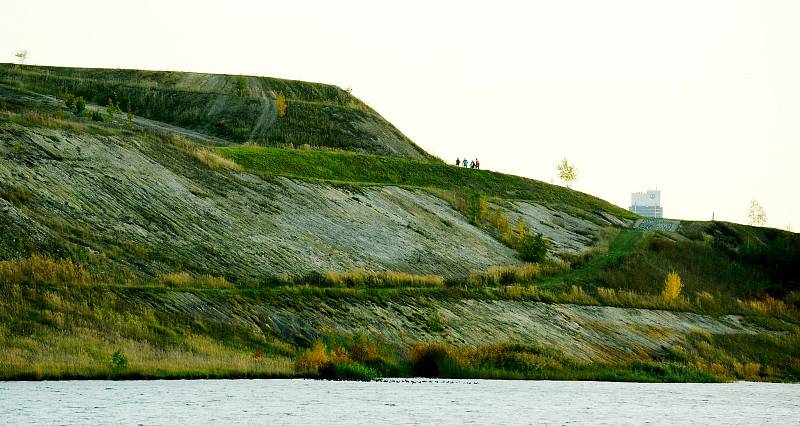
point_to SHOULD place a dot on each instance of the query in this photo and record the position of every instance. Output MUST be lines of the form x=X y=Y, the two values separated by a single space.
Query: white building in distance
x=647 y=204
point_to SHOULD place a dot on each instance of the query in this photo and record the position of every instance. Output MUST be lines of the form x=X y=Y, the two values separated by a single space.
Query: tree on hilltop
x=756 y=214
x=22 y=56
x=567 y=172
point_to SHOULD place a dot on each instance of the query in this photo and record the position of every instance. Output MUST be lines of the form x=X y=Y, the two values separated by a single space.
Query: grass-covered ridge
x=367 y=169
x=234 y=108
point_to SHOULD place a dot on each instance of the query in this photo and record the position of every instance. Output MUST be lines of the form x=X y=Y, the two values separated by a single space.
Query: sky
x=699 y=99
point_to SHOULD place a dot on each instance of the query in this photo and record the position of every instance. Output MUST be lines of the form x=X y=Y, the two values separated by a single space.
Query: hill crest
x=233 y=108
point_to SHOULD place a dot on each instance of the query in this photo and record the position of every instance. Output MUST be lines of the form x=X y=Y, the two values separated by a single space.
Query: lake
x=396 y=401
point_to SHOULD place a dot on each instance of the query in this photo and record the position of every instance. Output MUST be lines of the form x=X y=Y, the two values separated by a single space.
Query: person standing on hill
x=477 y=164
x=471 y=164
x=465 y=162
x=458 y=162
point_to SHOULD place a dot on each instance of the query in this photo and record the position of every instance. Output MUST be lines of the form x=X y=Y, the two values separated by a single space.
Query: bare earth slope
x=149 y=197
x=588 y=333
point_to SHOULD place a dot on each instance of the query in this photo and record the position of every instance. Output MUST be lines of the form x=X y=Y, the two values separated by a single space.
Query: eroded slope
x=141 y=201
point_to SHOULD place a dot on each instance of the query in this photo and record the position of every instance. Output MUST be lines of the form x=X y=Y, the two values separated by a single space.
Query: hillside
x=236 y=109
x=164 y=239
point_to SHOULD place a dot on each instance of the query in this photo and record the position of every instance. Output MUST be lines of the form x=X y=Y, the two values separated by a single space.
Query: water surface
x=395 y=402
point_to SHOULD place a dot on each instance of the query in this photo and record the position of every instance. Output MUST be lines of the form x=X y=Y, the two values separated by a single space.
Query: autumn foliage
x=672 y=287
x=281 y=104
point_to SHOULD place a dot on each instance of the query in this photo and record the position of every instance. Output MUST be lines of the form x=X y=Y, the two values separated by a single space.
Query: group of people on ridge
x=474 y=164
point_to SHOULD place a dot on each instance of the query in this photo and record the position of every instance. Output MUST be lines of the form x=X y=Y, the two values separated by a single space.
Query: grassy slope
x=371 y=169
x=73 y=332
x=64 y=331
x=317 y=114
x=747 y=263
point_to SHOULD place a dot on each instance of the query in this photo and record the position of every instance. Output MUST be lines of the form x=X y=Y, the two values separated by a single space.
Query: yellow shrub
x=672 y=287
x=280 y=103
x=312 y=359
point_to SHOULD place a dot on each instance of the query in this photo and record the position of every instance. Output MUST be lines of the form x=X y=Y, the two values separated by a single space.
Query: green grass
x=367 y=169
x=293 y=89
x=610 y=250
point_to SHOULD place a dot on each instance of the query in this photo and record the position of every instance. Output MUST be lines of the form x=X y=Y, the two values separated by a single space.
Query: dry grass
x=502 y=275
x=61 y=334
x=56 y=121
x=361 y=278
x=87 y=353
x=38 y=269
x=43 y=269
x=214 y=160
x=176 y=279
x=767 y=306
x=204 y=155
x=185 y=279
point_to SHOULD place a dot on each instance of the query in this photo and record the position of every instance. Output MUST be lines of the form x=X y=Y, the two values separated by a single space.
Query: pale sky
x=698 y=98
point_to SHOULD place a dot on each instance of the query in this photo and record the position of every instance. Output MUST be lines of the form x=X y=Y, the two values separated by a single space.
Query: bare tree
x=756 y=214
x=22 y=56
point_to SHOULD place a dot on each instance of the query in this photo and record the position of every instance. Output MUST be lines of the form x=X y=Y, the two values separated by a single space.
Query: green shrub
x=78 y=105
x=533 y=248
x=779 y=257
x=347 y=370
x=242 y=90
x=435 y=323
x=119 y=362
x=112 y=108
x=432 y=360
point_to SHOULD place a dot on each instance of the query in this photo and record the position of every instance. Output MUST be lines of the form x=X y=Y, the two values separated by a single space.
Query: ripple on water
x=396 y=401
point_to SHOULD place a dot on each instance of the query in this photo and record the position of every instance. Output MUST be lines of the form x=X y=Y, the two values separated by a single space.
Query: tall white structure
x=647 y=204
